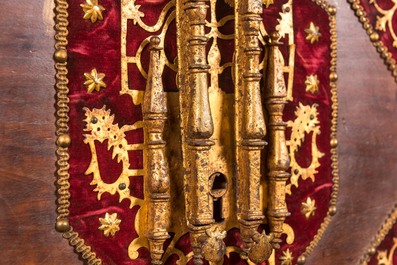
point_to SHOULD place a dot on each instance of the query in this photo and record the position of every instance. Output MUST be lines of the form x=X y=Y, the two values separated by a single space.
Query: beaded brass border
x=63 y=139
x=331 y=10
x=380 y=236
x=374 y=37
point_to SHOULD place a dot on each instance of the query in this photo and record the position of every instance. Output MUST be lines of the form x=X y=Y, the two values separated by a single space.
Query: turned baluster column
x=205 y=241
x=278 y=158
x=256 y=246
x=157 y=182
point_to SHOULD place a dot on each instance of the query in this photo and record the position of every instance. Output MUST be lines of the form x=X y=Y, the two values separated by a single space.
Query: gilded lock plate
x=109 y=131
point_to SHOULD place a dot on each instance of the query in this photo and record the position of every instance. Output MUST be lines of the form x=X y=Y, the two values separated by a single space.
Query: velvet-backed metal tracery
x=208 y=129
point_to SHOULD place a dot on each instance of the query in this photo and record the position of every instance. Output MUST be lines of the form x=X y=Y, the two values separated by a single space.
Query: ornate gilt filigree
x=206 y=152
x=306 y=122
x=101 y=127
x=130 y=11
x=384 y=21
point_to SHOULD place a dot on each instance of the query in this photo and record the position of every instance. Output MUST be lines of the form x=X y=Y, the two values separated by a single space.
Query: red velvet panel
x=97 y=45
x=310 y=59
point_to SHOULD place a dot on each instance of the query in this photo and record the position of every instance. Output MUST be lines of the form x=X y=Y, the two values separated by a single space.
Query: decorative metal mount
x=211 y=169
x=204 y=184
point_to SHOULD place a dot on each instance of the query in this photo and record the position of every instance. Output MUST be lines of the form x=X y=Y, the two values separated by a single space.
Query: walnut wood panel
x=367 y=140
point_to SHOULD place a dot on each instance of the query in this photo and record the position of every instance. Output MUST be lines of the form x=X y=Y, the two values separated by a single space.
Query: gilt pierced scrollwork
x=306 y=122
x=384 y=20
x=385 y=257
x=130 y=11
x=100 y=128
x=194 y=201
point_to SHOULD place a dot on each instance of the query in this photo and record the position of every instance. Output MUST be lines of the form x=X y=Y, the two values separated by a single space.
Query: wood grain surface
x=367 y=141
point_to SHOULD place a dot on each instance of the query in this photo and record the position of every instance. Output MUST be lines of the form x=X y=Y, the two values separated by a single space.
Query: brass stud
x=374 y=37
x=122 y=186
x=61 y=56
x=63 y=140
x=62 y=225
x=301 y=260
x=332 y=11
x=363 y=19
x=371 y=251
x=334 y=142
x=382 y=50
x=359 y=13
x=332 y=210
x=333 y=76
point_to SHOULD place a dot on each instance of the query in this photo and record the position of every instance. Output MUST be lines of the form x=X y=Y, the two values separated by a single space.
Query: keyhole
x=218 y=183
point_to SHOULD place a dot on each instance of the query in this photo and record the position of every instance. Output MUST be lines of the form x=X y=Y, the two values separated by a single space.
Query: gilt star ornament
x=309 y=207
x=312 y=84
x=92 y=10
x=94 y=81
x=109 y=224
x=312 y=33
x=286 y=257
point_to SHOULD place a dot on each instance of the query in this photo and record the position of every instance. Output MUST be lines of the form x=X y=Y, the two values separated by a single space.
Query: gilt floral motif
x=312 y=33
x=94 y=81
x=92 y=10
x=309 y=208
x=286 y=257
x=110 y=224
x=312 y=84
